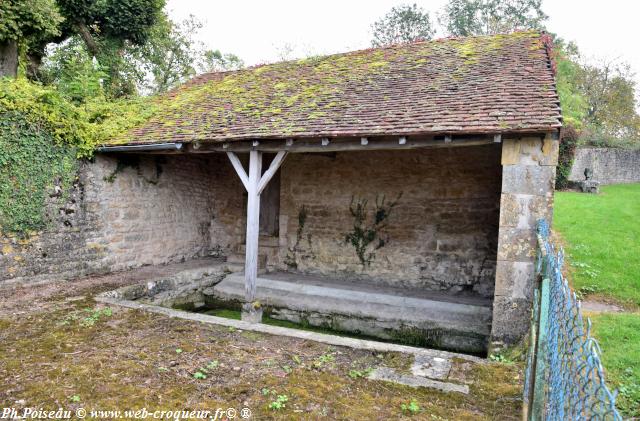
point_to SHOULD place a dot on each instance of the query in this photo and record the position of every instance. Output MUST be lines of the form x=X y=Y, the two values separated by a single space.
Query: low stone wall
x=441 y=235
x=128 y=212
x=609 y=166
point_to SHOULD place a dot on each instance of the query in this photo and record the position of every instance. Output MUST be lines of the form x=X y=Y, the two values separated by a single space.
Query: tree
x=73 y=71
x=485 y=17
x=597 y=98
x=21 y=23
x=609 y=89
x=216 y=61
x=170 y=54
x=569 y=71
x=110 y=29
x=403 y=24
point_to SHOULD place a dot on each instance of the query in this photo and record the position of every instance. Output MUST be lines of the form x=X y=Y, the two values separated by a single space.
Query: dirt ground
x=59 y=349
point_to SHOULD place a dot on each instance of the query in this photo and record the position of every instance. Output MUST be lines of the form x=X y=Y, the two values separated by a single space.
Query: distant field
x=602 y=238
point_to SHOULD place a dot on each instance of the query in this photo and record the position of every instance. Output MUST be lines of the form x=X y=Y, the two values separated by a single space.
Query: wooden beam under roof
x=341 y=144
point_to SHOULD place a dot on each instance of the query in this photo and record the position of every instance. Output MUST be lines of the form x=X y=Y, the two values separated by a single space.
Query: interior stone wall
x=153 y=210
x=442 y=235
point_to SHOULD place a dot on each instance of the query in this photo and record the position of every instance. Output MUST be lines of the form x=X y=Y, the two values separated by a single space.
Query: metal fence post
x=529 y=380
x=540 y=377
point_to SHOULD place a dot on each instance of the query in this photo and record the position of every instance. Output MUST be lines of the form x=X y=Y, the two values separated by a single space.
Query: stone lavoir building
x=409 y=177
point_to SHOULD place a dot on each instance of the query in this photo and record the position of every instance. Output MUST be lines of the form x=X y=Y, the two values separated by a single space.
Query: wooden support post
x=255 y=182
x=251 y=311
x=273 y=168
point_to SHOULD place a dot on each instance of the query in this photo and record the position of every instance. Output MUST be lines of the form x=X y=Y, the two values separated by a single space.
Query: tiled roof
x=490 y=84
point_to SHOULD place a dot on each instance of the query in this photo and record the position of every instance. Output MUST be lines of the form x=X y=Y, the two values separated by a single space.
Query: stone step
x=239 y=259
x=444 y=324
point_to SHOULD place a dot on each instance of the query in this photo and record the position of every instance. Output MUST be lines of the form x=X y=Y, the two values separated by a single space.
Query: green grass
x=619 y=338
x=602 y=235
x=602 y=240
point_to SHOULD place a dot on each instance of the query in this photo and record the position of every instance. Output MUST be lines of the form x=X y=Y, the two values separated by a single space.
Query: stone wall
x=441 y=235
x=528 y=175
x=609 y=165
x=155 y=210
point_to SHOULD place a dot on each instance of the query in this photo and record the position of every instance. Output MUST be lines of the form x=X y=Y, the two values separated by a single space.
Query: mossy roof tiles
x=489 y=84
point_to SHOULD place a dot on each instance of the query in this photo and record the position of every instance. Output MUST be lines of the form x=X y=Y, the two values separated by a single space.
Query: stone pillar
x=528 y=178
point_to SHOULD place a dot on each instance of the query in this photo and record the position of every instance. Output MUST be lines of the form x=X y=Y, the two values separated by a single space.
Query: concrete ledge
x=294 y=333
x=389 y=375
x=366 y=310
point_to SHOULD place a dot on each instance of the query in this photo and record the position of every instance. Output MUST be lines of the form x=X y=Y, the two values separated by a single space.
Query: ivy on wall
x=41 y=137
x=33 y=167
x=566 y=155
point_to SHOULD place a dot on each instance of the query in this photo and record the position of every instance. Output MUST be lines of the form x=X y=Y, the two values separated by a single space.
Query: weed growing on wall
x=291 y=259
x=366 y=236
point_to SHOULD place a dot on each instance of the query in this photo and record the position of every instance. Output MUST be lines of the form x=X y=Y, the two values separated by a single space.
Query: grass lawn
x=601 y=234
x=619 y=338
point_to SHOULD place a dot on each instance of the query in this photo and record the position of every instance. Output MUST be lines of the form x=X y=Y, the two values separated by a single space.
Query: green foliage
x=609 y=89
x=566 y=154
x=598 y=99
x=32 y=164
x=216 y=61
x=169 y=55
x=366 y=234
x=486 y=17
x=323 y=360
x=297 y=250
x=279 y=403
x=412 y=407
x=87 y=317
x=28 y=20
x=357 y=374
x=82 y=127
x=129 y=20
x=111 y=30
x=401 y=25
x=47 y=109
x=72 y=70
x=94 y=316
x=568 y=70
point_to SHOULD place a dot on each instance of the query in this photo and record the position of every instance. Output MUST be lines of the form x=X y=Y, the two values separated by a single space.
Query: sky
x=268 y=30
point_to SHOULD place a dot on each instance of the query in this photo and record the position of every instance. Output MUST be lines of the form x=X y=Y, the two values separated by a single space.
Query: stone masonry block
x=523 y=210
x=528 y=179
x=530 y=151
x=511 y=319
x=510 y=152
x=515 y=279
x=516 y=244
